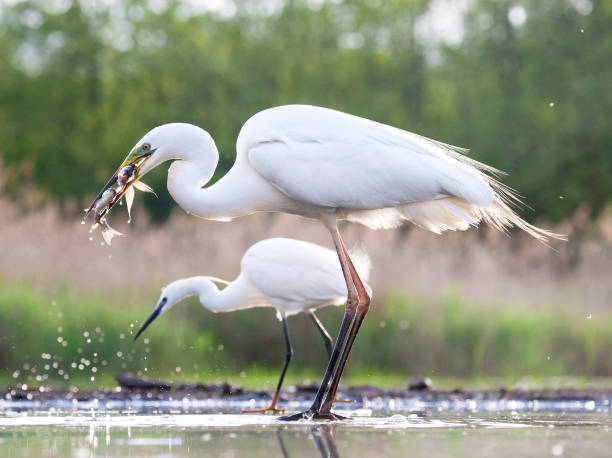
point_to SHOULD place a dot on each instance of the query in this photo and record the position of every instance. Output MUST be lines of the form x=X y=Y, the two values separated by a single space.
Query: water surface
x=370 y=433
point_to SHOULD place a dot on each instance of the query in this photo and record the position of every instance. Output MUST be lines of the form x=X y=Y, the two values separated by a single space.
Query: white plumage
x=327 y=165
x=372 y=173
x=314 y=161
x=290 y=275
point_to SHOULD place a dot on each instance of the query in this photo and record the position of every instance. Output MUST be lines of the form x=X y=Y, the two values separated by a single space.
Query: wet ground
x=206 y=421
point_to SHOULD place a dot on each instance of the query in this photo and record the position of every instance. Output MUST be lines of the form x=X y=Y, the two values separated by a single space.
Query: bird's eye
x=146 y=147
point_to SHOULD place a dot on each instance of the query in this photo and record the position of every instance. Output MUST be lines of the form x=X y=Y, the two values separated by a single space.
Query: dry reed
x=47 y=250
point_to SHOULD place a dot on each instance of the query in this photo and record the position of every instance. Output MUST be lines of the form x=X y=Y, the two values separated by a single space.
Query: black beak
x=152 y=317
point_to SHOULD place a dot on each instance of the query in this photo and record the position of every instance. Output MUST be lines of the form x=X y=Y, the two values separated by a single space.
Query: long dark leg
x=326 y=337
x=349 y=314
x=272 y=407
x=328 y=343
x=362 y=309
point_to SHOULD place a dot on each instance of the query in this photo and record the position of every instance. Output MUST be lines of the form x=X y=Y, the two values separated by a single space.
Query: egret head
x=163 y=143
x=170 y=295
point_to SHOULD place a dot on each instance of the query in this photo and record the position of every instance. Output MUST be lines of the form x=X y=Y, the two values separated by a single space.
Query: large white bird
x=290 y=275
x=327 y=165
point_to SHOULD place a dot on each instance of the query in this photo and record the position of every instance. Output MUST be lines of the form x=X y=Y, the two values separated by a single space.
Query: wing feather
x=376 y=174
x=332 y=159
x=297 y=272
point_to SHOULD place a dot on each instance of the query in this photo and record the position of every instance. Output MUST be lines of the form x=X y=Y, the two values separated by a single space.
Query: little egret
x=327 y=165
x=290 y=275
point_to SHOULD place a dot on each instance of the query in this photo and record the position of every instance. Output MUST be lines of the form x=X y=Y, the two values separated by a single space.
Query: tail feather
x=361 y=261
x=501 y=217
x=453 y=212
x=363 y=264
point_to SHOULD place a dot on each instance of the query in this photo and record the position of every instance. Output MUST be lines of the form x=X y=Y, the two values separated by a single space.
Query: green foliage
x=81 y=85
x=403 y=337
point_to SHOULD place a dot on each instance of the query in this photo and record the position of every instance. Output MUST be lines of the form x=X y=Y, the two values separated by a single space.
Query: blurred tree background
x=525 y=84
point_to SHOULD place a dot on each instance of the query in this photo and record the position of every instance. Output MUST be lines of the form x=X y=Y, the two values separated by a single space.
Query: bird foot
x=271 y=409
x=310 y=415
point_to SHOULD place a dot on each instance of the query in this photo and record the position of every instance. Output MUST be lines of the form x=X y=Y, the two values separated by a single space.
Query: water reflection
x=323 y=436
x=441 y=434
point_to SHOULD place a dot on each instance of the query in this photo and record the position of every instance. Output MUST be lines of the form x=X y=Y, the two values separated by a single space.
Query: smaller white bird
x=290 y=275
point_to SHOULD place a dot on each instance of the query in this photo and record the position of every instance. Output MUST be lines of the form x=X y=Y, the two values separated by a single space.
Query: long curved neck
x=193 y=169
x=229 y=299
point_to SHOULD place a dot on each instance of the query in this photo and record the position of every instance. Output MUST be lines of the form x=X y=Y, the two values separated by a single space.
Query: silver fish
x=121 y=184
x=100 y=209
x=102 y=205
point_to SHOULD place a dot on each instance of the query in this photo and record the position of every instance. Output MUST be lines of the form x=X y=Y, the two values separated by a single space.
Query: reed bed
x=48 y=249
x=471 y=304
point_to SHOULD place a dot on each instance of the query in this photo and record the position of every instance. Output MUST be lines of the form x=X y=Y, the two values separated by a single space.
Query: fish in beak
x=123 y=182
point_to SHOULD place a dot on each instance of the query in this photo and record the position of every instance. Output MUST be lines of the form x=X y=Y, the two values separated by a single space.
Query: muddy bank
x=144 y=392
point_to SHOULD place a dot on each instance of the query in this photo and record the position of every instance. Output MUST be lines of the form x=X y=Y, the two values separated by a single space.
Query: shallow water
x=370 y=433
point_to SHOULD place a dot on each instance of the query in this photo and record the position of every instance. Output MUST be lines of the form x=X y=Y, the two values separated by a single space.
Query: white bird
x=328 y=165
x=290 y=275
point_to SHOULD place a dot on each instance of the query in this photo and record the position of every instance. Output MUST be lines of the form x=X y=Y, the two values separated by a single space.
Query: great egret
x=327 y=165
x=290 y=275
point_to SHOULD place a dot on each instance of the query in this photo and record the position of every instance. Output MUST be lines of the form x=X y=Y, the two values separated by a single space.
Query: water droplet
x=581 y=30
x=551 y=104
